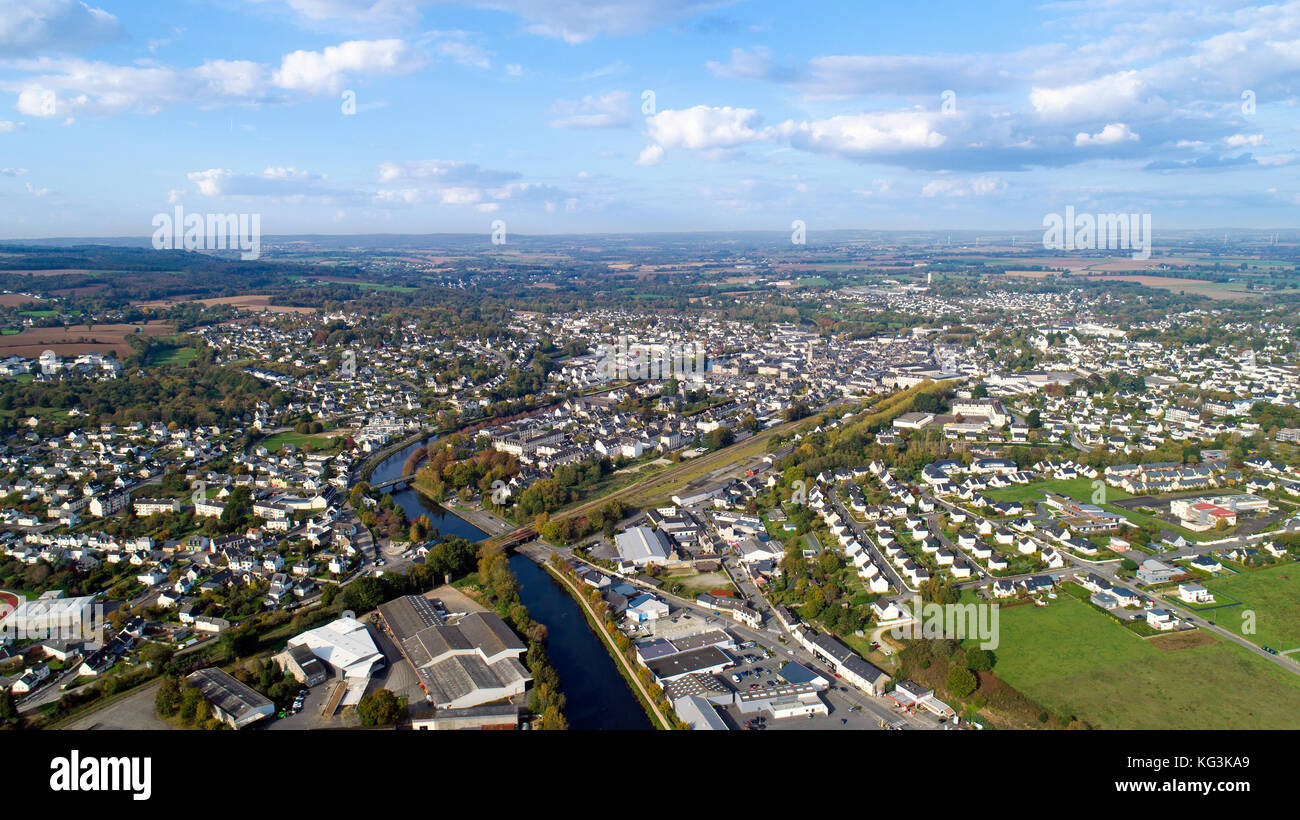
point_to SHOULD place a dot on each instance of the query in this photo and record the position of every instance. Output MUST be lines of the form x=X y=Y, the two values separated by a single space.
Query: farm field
x=1271 y=593
x=1195 y=287
x=76 y=339
x=1077 y=661
x=251 y=301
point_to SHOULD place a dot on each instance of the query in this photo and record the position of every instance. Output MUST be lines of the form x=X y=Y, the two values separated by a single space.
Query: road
x=877 y=557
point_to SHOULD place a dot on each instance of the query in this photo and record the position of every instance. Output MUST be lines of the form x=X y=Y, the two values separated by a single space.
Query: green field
x=1080 y=489
x=386 y=288
x=1271 y=594
x=1076 y=661
x=318 y=441
x=174 y=355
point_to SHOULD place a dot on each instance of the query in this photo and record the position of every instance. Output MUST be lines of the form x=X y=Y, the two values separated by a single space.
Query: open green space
x=1076 y=661
x=317 y=441
x=1080 y=489
x=1271 y=593
x=173 y=355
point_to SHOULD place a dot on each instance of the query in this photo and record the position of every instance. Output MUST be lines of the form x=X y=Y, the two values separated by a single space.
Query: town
x=312 y=510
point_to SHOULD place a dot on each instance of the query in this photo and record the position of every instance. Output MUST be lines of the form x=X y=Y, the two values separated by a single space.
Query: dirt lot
x=133 y=712
x=75 y=339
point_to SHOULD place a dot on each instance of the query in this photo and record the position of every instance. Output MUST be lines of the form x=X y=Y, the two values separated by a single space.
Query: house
x=1161 y=619
x=1153 y=572
x=1195 y=594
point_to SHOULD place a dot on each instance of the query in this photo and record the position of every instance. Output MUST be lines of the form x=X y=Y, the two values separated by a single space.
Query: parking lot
x=309 y=717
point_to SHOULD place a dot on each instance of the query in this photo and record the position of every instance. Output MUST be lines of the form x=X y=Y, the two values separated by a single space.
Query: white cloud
x=272 y=182
x=1245 y=140
x=59 y=87
x=322 y=71
x=38 y=26
x=605 y=111
x=1113 y=134
x=704 y=127
x=650 y=155
x=466 y=54
x=232 y=78
x=857 y=136
x=1114 y=93
x=977 y=186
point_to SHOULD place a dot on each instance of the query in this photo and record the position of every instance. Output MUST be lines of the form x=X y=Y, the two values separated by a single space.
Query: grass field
x=386 y=288
x=1080 y=489
x=1077 y=661
x=1271 y=594
x=317 y=441
x=174 y=355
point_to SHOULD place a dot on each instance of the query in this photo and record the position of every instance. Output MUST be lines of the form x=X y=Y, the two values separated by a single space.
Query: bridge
x=513 y=538
x=399 y=483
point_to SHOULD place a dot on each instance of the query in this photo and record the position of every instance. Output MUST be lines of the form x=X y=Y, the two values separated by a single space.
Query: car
x=735 y=678
x=753 y=686
x=1270 y=650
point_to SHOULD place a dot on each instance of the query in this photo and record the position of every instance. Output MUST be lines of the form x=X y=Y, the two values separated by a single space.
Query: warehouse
x=231 y=701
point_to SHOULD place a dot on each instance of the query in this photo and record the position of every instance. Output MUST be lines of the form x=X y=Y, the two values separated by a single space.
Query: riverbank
x=596 y=699
x=648 y=705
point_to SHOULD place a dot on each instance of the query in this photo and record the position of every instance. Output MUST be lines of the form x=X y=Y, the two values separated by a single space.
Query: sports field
x=1076 y=661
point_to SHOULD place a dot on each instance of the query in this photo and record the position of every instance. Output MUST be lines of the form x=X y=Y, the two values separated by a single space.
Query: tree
x=961 y=681
x=1034 y=419
x=379 y=708
x=8 y=709
x=980 y=660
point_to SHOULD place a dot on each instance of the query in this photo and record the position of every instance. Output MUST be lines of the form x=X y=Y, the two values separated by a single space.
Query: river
x=596 y=695
x=416 y=505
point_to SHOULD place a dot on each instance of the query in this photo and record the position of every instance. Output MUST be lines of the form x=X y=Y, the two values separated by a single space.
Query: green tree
x=379 y=708
x=980 y=660
x=961 y=681
x=168 y=699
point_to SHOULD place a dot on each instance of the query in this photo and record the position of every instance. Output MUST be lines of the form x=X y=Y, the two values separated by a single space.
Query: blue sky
x=537 y=113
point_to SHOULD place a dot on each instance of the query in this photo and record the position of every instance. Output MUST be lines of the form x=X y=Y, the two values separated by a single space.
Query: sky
x=593 y=116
